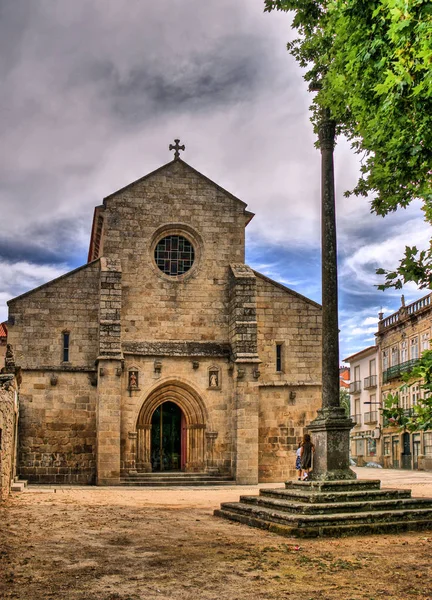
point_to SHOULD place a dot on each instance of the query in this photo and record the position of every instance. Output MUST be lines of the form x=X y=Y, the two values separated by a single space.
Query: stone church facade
x=165 y=351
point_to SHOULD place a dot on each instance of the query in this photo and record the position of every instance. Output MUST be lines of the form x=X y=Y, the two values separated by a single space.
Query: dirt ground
x=136 y=544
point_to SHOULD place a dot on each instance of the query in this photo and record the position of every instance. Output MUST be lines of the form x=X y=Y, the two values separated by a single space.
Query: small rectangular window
x=66 y=337
x=278 y=357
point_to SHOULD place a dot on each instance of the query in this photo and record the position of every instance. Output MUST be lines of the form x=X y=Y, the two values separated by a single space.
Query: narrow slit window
x=278 y=357
x=66 y=339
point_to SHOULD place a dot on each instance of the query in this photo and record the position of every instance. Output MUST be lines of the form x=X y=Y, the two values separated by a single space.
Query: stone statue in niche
x=214 y=378
x=133 y=380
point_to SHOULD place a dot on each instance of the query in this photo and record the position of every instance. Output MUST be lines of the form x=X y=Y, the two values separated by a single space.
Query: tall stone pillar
x=246 y=422
x=243 y=337
x=109 y=362
x=331 y=427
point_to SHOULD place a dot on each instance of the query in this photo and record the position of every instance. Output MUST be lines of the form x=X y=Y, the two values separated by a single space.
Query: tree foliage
x=420 y=418
x=371 y=64
x=344 y=400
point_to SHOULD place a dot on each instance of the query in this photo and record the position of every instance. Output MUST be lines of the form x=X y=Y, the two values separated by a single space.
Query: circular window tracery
x=174 y=255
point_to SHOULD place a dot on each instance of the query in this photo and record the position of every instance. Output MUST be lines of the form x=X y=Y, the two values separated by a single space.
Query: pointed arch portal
x=170 y=429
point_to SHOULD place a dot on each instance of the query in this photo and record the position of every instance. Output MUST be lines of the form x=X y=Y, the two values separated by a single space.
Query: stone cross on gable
x=177 y=148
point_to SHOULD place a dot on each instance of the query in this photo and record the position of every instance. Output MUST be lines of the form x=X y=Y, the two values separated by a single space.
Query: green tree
x=421 y=416
x=371 y=65
x=344 y=400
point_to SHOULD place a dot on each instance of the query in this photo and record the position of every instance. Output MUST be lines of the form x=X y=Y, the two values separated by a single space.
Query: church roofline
x=176 y=160
x=36 y=289
x=287 y=289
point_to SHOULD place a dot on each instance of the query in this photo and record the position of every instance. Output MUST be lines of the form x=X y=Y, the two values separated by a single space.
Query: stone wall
x=57 y=434
x=8 y=416
x=288 y=399
x=38 y=319
x=175 y=200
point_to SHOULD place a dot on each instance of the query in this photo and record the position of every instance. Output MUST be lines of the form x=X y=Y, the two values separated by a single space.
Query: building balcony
x=357 y=419
x=405 y=312
x=355 y=387
x=371 y=417
x=370 y=382
x=396 y=371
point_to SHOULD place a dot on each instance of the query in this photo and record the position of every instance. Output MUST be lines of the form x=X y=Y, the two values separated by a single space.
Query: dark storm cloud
x=46 y=242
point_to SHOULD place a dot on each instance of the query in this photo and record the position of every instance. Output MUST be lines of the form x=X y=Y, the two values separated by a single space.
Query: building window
x=404 y=399
x=427 y=441
x=385 y=360
x=279 y=357
x=66 y=342
x=404 y=351
x=414 y=348
x=394 y=356
x=425 y=341
x=415 y=394
x=372 y=367
x=371 y=447
x=357 y=373
x=386 y=448
x=174 y=255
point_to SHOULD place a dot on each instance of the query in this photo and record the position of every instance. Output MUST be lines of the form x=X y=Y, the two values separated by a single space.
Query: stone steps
x=321 y=520
x=310 y=509
x=336 y=507
x=308 y=496
x=175 y=479
x=293 y=530
x=18 y=485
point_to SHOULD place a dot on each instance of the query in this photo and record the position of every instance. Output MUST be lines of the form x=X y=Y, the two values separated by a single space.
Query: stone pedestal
x=330 y=435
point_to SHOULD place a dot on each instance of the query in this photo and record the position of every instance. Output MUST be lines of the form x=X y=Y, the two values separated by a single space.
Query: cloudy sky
x=95 y=90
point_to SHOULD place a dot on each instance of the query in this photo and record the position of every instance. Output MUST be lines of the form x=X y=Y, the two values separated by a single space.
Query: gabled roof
x=184 y=164
x=3 y=330
x=364 y=352
x=287 y=289
x=48 y=283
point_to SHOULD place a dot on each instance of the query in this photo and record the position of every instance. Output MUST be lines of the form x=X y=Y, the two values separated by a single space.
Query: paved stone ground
x=87 y=543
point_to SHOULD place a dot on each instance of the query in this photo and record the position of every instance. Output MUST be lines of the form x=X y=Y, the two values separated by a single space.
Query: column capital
x=326 y=133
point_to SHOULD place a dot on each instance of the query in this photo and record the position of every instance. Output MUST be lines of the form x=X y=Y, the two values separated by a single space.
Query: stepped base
x=331 y=508
x=175 y=479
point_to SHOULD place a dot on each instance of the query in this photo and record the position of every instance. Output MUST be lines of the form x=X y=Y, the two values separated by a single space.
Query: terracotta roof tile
x=3 y=330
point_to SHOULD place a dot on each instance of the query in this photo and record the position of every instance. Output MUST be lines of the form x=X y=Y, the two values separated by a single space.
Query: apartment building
x=401 y=339
x=365 y=401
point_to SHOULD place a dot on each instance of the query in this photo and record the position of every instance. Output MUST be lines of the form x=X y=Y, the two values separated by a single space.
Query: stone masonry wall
x=57 y=399
x=8 y=415
x=57 y=433
x=175 y=200
x=290 y=398
x=38 y=318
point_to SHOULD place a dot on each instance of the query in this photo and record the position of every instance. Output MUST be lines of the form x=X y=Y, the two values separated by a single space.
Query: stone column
x=330 y=430
x=108 y=423
x=243 y=336
x=109 y=374
x=246 y=412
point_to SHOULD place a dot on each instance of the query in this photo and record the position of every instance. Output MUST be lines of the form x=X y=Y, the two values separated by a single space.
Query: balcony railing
x=357 y=419
x=370 y=382
x=371 y=417
x=405 y=312
x=397 y=370
x=355 y=387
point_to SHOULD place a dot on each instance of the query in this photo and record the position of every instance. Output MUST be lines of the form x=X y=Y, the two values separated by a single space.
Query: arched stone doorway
x=192 y=457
